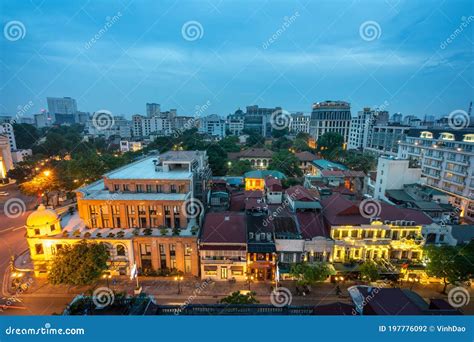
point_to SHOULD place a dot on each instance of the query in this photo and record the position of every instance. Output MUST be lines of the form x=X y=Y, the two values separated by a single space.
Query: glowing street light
x=178 y=279
x=47 y=173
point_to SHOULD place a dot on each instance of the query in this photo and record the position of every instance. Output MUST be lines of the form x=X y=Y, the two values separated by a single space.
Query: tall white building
x=447 y=161
x=121 y=128
x=362 y=125
x=212 y=125
x=392 y=174
x=330 y=116
x=6 y=129
x=299 y=123
x=153 y=109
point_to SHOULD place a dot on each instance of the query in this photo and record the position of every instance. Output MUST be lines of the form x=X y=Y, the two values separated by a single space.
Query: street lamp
x=179 y=279
x=47 y=173
x=107 y=277
x=249 y=280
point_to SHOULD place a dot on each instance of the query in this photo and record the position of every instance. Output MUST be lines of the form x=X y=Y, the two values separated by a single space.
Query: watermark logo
x=287 y=22
x=458 y=119
x=458 y=297
x=109 y=22
x=192 y=208
x=370 y=208
x=103 y=297
x=103 y=120
x=192 y=30
x=14 y=207
x=281 y=297
x=197 y=291
x=370 y=30
x=465 y=21
x=14 y=30
x=280 y=119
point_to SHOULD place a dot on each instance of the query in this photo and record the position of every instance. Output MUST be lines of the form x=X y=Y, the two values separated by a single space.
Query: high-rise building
x=6 y=161
x=397 y=118
x=153 y=109
x=447 y=161
x=42 y=119
x=212 y=125
x=385 y=139
x=259 y=120
x=62 y=109
x=330 y=116
x=6 y=129
x=236 y=122
x=362 y=125
x=299 y=123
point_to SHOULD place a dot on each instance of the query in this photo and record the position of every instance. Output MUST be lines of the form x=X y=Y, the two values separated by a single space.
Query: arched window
x=120 y=250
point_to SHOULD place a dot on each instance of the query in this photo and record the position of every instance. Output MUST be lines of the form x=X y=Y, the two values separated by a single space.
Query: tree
x=239 y=167
x=26 y=135
x=282 y=143
x=451 y=263
x=42 y=184
x=369 y=271
x=306 y=274
x=279 y=133
x=230 y=144
x=330 y=144
x=80 y=264
x=239 y=298
x=359 y=161
x=285 y=162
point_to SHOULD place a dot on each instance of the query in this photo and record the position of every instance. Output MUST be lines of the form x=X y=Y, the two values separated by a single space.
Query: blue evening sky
x=320 y=54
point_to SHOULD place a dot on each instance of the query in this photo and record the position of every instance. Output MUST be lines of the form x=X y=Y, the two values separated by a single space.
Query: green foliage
x=282 y=143
x=164 y=230
x=358 y=161
x=239 y=298
x=369 y=271
x=285 y=162
x=239 y=167
x=308 y=274
x=230 y=144
x=451 y=263
x=26 y=135
x=279 y=133
x=330 y=145
x=80 y=264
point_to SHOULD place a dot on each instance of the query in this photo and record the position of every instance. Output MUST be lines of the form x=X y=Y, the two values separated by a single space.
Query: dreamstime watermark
x=192 y=208
x=196 y=292
x=15 y=298
x=46 y=330
x=359 y=307
x=109 y=22
x=103 y=297
x=103 y=120
x=192 y=30
x=458 y=297
x=14 y=30
x=370 y=208
x=14 y=207
x=465 y=21
x=370 y=30
x=21 y=110
x=458 y=119
x=287 y=22
x=193 y=122
x=280 y=119
x=280 y=297
x=284 y=204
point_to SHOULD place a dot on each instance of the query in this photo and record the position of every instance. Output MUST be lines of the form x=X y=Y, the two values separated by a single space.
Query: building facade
x=330 y=116
x=447 y=160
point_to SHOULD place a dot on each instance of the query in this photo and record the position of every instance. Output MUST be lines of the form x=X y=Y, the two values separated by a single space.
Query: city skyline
x=403 y=56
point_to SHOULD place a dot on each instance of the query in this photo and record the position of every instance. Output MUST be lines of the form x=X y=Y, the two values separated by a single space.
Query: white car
x=4 y=193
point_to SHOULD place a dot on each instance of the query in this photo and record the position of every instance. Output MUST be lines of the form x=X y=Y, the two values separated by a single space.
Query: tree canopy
x=285 y=162
x=330 y=145
x=240 y=298
x=453 y=264
x=369 y=271
x=308 y=274
x=80 y=264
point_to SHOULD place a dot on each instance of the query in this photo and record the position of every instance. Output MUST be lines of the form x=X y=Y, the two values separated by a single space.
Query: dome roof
x=42 y=217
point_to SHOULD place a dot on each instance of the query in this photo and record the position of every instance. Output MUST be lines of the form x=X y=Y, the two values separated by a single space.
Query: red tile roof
x=253 y=194
x=251 y=153
x=311 y=225
x=305 y=156
x=300 y=193
x=339 y=210
x=224 y=227
x=273 y=184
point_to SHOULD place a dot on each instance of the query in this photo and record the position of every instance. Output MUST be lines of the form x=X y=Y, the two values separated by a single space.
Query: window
x=126 y=188
x=159 y=188
x=120 y=250
x=116 y=187
x=148 y=188
x=173 y=256
x=139 y=188
x=39 y=248
x=37 y=231
x=173 y=188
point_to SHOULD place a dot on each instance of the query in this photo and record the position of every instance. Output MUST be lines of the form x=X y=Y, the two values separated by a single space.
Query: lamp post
x=179 y=279
x=249 y=280
x=107 y=277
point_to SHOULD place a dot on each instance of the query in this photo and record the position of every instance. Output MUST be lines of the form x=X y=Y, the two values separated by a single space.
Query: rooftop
x=145 y=169
x=251 y=153
x=262 y=174
x=306 y=156
x=324 y=164
x=224 y=227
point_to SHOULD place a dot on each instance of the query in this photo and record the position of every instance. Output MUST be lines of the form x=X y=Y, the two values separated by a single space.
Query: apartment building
x=330 y=116
x=447 y=161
